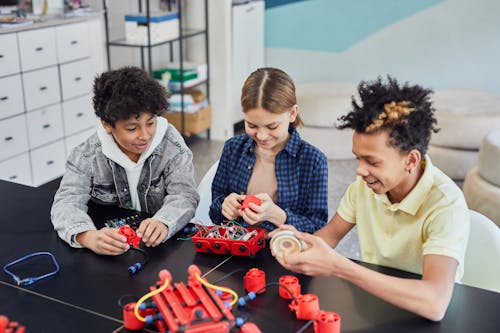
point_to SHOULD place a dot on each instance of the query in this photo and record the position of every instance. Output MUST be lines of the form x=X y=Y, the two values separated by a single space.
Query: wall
x=439 y=44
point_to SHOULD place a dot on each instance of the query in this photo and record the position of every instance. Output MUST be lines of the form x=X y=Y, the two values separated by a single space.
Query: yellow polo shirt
x=432 y=219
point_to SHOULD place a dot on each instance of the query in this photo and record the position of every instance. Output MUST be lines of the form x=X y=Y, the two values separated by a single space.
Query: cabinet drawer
x=9 y=56
x=78 y=115
x=41 y=88
x=72 y=41
x=16 y=170
x=47 y=163
x=13 y=137
x=76 y=79
x=11 y=96
x=44 y=125
x=37 y=48
x=75 y=140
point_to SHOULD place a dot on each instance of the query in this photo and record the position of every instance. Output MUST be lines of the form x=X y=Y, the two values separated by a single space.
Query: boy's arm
x=179 y=205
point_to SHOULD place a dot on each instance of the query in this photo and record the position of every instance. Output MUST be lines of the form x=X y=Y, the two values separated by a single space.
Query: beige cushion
x=465 y=116
x=335 y=144
x=489 y=158
x=455 y=163
x=482 y=196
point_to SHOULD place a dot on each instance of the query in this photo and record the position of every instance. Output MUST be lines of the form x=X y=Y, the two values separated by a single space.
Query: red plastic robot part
x=10 y=327
x=306 y=307
x=249 y=328
x=130 y=234
x=292 y=283
x=250 y=199
x=130 y=321
x=327 y=322
x=254 y=281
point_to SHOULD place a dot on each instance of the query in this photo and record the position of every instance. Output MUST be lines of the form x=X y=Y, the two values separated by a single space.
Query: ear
x=106 y=126
x=413 y=159
x=294 y=112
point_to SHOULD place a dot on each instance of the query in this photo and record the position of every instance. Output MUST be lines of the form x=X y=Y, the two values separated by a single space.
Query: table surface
x=84 y=295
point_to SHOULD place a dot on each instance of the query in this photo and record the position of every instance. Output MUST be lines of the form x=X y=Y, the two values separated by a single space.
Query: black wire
x=280 y=285
x=146 y=255
x=306 y=325
x=228 y=275
x=120 y=300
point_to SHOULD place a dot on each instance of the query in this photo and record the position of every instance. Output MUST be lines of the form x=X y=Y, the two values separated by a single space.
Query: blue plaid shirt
x=301 y=173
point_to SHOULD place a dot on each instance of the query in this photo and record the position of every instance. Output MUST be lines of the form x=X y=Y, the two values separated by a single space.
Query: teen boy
x=136 y=160
x=409 y=214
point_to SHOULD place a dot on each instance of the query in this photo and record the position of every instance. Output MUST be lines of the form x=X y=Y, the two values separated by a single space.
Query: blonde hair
x=270 y=89
x=394 y=113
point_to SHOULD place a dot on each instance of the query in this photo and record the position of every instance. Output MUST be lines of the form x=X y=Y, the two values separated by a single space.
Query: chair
x=205 y=190
x=482 y=258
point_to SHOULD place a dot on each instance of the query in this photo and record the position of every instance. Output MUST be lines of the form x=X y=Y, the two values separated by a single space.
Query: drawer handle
x=13 y=177
x=78 y=78
x=9 y=138
x=1 y=56
x=4 y=98
x=42 y=88
x=38 y=49
x=79 y=114
x=50 y=162
x=74 y=42
x=46 y=126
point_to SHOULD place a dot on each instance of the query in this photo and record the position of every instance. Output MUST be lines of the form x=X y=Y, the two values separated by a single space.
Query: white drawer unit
x=37 y=48
x=44 y=125
x=11 y=96
x=47 y=162
x=78 y=115
x=17 y=169
x=46 y=77
x=72 y=42
x=41 y=88
x=13 y=137
x=9 y=55
x=75 y=139
x=76 y=79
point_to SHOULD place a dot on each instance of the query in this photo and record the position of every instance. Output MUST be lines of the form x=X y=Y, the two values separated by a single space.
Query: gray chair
x=482 y=258
x=205 y=191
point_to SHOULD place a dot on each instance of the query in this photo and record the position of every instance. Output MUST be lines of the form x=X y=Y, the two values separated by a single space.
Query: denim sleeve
x=179 y=205
x=69 y=210
x=316 y=214
x=220 y=185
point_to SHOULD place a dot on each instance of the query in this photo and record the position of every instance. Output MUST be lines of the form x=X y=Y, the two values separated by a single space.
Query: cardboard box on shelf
x=163 y=27
x=194 y=123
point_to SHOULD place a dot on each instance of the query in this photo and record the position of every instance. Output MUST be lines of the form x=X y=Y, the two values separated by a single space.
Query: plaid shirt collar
x=292 y=146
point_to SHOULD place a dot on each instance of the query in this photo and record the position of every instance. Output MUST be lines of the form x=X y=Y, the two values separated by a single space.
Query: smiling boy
x=136 y=160
x=409 y=215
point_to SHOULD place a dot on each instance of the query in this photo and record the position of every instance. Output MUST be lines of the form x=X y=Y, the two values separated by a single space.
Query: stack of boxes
x=163 y=27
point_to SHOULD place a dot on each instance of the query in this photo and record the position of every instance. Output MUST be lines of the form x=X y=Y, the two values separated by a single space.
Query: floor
x=341 y=174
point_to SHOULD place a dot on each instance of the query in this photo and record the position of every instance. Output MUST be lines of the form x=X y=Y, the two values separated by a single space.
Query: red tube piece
x=292 y=283
x=327 y=322
x=255 y=280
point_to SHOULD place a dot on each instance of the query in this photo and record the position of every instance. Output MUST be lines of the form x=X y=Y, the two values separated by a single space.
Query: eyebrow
x=135 y=121
x=267 y=125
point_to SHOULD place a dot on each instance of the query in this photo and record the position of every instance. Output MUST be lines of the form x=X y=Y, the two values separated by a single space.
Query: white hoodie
x=133 y=170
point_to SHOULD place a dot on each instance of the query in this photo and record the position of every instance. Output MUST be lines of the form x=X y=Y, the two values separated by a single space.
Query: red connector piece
x=250 y=199
x=129 y=233
x=10 y=327
x=327 y=322
x=306 y=307
x=255 y=280
x=204 y=242
x=249 y=328
x=292 y=283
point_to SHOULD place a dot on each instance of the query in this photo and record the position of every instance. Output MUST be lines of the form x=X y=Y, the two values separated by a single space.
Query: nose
x=261 y=134
x=361 y=169
x=143 y=133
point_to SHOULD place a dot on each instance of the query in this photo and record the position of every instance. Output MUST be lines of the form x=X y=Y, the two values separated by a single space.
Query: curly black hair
x=125 y=92
x=412 y=131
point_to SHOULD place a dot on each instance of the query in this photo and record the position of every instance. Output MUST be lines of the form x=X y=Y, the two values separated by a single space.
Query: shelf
x=188 y=86
x=186 y=33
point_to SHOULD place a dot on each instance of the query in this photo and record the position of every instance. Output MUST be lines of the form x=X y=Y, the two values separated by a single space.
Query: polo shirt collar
x=412 y=202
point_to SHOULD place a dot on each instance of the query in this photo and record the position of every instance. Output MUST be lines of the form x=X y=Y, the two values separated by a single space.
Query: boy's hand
x=232 y=205
x=152 y=231
x=104 y=241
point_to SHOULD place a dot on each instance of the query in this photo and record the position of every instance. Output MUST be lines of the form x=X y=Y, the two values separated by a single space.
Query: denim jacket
x=166 y=186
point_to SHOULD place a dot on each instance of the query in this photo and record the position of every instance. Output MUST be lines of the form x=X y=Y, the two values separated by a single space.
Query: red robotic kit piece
x=229 y=239
x=7 y=326
x=255 y=280
x=129 y=233
x=179 y=307
x=249 y=328
x=306 y=307
x=292 y=284
x=250 y=199
x=327 y=322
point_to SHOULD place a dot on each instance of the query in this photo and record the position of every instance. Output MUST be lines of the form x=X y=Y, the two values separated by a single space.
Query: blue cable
x=30 y=280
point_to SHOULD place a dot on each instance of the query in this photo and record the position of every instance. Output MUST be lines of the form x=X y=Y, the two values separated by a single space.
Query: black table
x=88 y=286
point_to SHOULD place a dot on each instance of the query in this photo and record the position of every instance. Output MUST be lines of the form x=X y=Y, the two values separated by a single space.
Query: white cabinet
x=46 y=75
